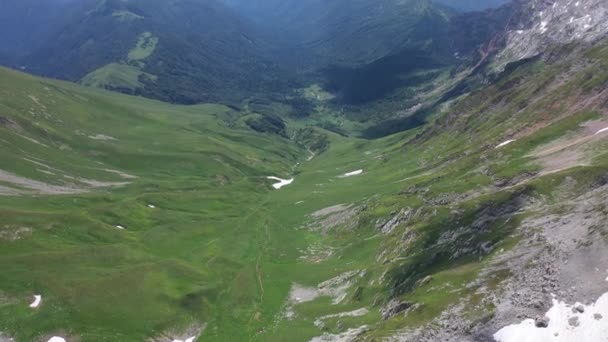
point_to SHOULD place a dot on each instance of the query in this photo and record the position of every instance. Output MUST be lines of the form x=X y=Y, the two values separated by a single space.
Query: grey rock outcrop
x=403 y=216
x=539 y=24
x=394 y=307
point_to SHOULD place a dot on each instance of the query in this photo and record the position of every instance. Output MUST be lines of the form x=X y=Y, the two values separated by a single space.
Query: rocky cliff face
x=537 y=25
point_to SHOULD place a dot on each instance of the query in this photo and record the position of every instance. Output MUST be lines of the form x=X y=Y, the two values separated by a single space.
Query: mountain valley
x=393 y=170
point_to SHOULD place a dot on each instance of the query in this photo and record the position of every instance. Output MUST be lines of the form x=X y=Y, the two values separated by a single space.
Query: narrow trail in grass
x=267 y=219
x=257 y=218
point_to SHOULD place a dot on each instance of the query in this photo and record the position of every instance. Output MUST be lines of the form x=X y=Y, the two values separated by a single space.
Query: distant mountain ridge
x=222 y=50
x=203 y=50
x=348 y=32
x=190 y=51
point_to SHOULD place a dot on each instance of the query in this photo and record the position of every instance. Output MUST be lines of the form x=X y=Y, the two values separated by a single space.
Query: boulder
x=541 y=322
x=393 y=308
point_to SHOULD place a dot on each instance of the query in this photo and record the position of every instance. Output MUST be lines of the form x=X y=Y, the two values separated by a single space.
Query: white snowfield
x=36 y=302
x=505 y=143
x=281 y=182
x=566 y=324
x=353 y=173
x=57 y=339
x=601 y=131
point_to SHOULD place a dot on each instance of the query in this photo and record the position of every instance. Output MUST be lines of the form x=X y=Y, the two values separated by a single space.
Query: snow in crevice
x=505 y=143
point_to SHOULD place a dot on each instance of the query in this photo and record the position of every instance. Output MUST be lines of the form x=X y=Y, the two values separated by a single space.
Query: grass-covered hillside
x=136 y=220
x=78 y=163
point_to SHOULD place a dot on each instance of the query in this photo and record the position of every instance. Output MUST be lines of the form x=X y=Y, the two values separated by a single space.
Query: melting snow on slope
x=281 y=182
x=504 y=143
x=350 y=174
x=567 y=323
x=57 y=339
x=601 y=131
x=36 y=302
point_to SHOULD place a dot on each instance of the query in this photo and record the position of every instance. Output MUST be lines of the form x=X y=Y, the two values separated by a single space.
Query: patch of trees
x=267 y=123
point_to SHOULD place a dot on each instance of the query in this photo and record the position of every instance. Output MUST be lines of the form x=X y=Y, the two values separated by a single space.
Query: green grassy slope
x=222 y=248
x=174 y=263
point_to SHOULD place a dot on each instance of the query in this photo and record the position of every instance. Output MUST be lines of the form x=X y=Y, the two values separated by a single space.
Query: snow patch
x=191 y=339
x=301 y=294
x=57 y=339
x=543 y=27
x=281 y=182
x=353 y=173
x=566 y=324
x=36 y=302
x=505 y=143
x=601 y=131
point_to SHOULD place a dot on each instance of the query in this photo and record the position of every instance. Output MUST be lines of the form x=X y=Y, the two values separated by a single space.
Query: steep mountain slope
x=537 y=26
x=181 y=51
x=330 y=29
x=364 y=52
x=26 y=24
